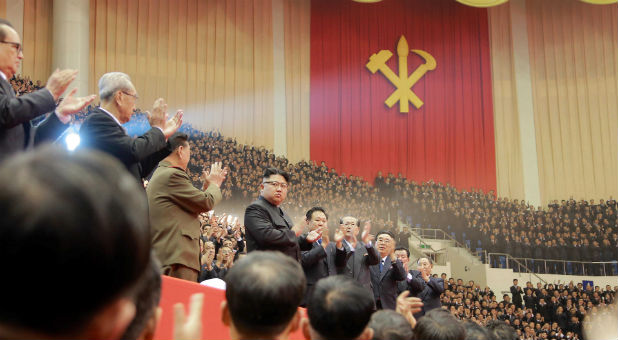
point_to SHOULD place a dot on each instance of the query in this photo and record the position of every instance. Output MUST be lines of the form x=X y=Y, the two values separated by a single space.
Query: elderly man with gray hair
x=102 y=129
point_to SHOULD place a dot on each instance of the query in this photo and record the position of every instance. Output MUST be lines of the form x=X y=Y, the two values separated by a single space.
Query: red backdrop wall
x=450 y=139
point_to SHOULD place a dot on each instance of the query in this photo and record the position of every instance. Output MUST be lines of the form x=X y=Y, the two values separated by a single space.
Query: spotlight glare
x=72 y=141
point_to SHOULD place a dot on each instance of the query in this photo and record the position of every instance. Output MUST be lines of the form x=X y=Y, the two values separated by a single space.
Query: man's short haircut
x=428 y=259
x=385 y=232
x=439 y=324
x=62 y=214
x=111 y=82
x=146 y=298
x=274 y=171
x=178 y=139
x=390 y=325
x=476 y=332
x=403 y=248
x=340 y=308
x=309 y=213
x=264 y=290
x=3 y=24
x=500 y=330
x=356 y=218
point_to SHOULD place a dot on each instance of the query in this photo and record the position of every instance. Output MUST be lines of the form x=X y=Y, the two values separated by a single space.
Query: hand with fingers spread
x=339 y=238
x=71 y=105
x=172 y=125
x=314 y=235
x=59 y=81
x=159 y=114
x=215 y=175
x=407 y=306
x=189 y=327
x=325 y=237
x=366 y=236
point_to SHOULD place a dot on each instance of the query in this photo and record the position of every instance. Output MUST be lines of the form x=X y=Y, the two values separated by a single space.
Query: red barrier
x=175 y=290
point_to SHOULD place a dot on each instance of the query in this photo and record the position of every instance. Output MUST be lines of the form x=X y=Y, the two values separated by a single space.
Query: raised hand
x=325 y=238
x=70 y=105
x=300 y=227
x=314 y=235
x=173 y=124
x=189 y=327
x=366 y=236
x=159 y=114
x=215 y=175
x=59 y=81
x=407 y=306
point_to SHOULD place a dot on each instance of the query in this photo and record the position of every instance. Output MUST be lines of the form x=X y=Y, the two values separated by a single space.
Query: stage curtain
x=574 y=71
x=450 y=139
x=509 y=177
x=37 y=39
x=297 y=14
x=211 y=58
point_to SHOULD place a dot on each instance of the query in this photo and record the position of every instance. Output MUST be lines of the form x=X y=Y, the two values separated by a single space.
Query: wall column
x=71 y=36
x=523 y=89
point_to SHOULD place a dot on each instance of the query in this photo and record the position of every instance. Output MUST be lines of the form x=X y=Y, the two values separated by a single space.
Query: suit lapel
x=358 y=258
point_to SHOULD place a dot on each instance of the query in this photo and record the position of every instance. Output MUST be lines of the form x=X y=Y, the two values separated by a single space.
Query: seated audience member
x=439 y=324
x=263 y=293
x=340 y=308
x=390 y=325
x=81 y=211
x=146 y=298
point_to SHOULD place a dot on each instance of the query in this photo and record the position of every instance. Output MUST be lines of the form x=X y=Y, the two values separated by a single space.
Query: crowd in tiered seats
x=550 y=311
x=23 y=85
x=567 y=230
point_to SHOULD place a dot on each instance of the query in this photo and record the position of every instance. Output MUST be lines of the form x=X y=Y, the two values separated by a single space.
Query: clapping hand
x=70 y=104
x=366 y=236
x=215 y=175
x=189 y=327
x=314 y=235
x=407 y=306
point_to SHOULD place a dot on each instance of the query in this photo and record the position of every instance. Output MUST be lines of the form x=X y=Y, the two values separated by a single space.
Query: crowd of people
x=87 y=209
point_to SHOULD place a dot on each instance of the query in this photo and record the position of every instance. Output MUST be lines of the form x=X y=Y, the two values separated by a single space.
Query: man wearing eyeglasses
x=268 y=226
x=16 y=131
x=103 y=129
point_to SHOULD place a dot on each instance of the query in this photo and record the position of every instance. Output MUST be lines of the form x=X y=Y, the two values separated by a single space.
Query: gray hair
x=112 y=82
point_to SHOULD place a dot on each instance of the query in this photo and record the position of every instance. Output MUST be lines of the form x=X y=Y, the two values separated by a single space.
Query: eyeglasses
x=277 y=184
x=17 y=46
x=132 y=95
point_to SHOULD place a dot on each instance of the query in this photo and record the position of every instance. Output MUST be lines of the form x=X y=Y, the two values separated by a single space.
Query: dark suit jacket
x=429 y=292
x=319 y=263
x=269 y=228
x=139 y=155
x=174 y=204
x=358 y=262
x=385 y=283
x=16 y=131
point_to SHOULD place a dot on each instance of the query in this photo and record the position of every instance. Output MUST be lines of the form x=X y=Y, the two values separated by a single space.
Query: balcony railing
x=545 y=266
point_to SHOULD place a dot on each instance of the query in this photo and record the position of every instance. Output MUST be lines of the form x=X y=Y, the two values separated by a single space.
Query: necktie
x=381 y=265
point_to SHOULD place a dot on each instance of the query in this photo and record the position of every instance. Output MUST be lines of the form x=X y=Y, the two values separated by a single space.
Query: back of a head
x=263 y=293
x=390 y=325
x=439 y=324
x=501 y=330
x=74 y=237
x=476 y=332
x=340 y=308
x=146 y=297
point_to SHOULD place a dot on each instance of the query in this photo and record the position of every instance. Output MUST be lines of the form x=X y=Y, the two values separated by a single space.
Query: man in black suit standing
x=360 y=255
x=268 y=227
x=324 y=257
x=516 y=293
x=16 y=131
x=387 y=272
x=426 y=287
x=102 y=129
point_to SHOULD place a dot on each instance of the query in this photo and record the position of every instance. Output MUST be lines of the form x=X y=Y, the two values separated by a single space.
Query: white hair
x=112 y=82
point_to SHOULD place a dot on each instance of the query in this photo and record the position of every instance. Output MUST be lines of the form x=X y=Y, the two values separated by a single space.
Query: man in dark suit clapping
x=426 y=287
x=102 y=129
x=16 y=130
